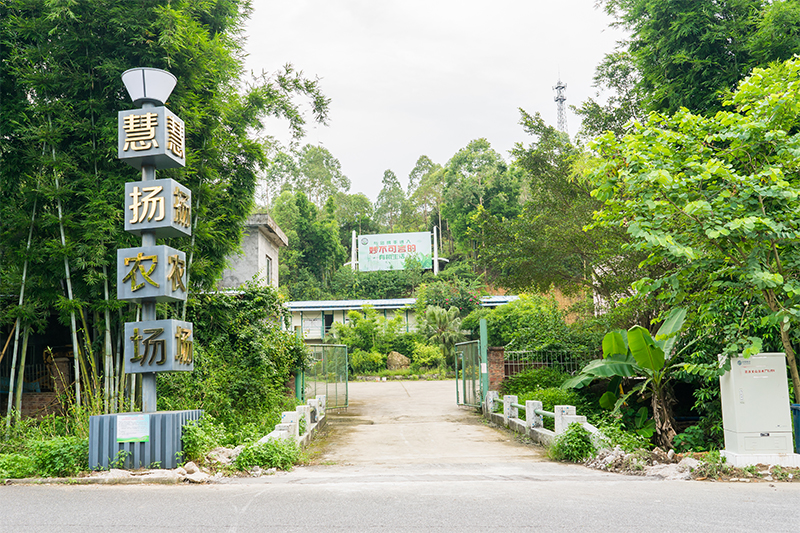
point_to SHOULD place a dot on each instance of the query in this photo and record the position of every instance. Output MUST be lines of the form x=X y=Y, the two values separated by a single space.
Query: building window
x=268 y=273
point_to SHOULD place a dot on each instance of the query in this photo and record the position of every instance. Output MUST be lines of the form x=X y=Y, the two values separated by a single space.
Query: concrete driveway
x=414 y=422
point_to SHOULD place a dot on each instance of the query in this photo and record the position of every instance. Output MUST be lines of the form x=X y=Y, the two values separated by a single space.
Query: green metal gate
x=327 y=374
x=472 y=374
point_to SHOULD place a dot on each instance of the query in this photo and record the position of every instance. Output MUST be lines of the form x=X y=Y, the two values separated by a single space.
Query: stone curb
x=133 y=480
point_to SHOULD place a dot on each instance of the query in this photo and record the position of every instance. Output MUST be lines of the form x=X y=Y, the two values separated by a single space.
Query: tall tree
x=546 y=245
x=60 y=91
x=477 y=177
x=717 y=197
x=389 y=206
x=687 y=51
x=312 y=170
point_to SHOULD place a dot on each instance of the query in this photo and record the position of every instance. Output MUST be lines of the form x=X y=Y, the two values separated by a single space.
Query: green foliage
x=712 y=465
x=242 y=359
x=60 y=457
x=201 y=437
x=687 y=52
x=445 y=294
x=362 y=362
x=616 y=434
x=368 y=332
x=691 y=440
x=426 y=356
x=635 y=353
x=574 y=445
x=275 y=453
x=17 y=465
x=716 y=197
x=534 y=379
x=443 y=327
x=477 y=177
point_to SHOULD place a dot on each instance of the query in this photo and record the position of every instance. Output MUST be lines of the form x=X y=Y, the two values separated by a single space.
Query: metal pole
x=435 y=250
x=484 y=344
x=148 y=306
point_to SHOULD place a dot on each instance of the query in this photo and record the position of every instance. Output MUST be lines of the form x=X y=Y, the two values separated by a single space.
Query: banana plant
x=636 y=354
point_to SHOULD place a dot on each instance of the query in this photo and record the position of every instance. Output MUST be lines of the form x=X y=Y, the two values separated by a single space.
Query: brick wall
x=497 y=371
x=35 y=404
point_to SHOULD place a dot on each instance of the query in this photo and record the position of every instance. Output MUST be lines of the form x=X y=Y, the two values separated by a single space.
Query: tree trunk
x=18 y=323
x=21 y=375
x=792 y=360
x=108 y=359
x=662 y=416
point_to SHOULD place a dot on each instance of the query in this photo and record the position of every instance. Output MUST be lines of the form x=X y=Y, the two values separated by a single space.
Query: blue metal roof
x=395 y=303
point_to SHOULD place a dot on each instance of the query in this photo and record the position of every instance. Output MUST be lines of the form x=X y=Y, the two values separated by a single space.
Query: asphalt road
x=405 y=458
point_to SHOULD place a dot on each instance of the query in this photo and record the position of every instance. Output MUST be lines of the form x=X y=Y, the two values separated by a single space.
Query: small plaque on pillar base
x=159 y=346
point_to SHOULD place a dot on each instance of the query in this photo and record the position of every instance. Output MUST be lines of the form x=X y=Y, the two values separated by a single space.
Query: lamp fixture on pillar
x=148 y=85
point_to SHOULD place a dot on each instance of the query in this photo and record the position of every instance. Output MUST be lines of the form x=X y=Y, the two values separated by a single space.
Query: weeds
x=574 y=445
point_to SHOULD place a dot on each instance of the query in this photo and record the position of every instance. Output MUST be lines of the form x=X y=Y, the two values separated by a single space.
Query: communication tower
x=561 y=89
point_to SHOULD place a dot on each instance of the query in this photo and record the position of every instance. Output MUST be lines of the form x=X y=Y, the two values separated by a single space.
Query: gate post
x=484 y=347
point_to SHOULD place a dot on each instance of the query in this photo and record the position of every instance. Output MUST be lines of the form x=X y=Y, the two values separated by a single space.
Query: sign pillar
x=153 y=137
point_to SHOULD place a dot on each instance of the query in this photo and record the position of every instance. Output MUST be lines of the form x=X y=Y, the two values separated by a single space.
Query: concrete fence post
x=303 y=413
x=566 y=415
x=313 y=410
x=532 y=420
x=562 y=411
x=508 y=410
x=491 y=398
x=291 y=419
x=321 y=405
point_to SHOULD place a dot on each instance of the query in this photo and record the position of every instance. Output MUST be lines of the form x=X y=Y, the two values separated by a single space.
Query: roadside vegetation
x=662 y=237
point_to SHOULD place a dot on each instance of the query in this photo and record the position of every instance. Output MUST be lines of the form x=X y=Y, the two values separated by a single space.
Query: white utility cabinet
x=755 y=406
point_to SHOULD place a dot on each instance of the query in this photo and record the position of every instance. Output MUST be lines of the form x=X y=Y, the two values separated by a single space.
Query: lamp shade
x=149 y=85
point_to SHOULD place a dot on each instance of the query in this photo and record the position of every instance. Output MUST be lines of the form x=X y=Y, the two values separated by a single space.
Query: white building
x=315 y=318
x=259 y=256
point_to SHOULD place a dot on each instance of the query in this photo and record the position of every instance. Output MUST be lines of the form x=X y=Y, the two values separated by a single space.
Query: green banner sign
x=390 y=251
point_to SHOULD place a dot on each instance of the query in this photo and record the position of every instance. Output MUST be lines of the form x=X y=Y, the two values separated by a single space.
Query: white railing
x=301 y=423
x=533 y=423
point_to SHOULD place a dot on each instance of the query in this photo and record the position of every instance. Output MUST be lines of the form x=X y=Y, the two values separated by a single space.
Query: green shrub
x=426 y=356
x=17 y=465
x=276 y=453
x=615 y=434
x=242 y=359
x=534 y=379
x=574 y=445
x=362 y=362
x=61 y=456
x=445 y=294
x=712 y=465
x=552 y=396
x=200 y=437
x=691 y=440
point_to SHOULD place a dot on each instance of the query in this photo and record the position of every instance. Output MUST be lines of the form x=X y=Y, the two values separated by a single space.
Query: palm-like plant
x=443 y=327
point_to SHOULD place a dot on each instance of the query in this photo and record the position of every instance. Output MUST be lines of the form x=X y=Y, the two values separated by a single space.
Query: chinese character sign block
x=390 y=251
x=153 y=136
x=158 y=346
x=163 y=206
x=157 y=272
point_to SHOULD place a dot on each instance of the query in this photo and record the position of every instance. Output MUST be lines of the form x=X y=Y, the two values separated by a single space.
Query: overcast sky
x=409 y=78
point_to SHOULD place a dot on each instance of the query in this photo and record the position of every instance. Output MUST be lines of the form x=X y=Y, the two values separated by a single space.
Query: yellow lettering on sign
x=183 y=209
x=139 y=267
x=175 y=139
x=178 y=267
x=184 y=349
x=140 y=132
x=150 y=207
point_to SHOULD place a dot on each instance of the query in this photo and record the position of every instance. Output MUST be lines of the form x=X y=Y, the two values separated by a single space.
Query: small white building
x=259 y=256
x=316 y=318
